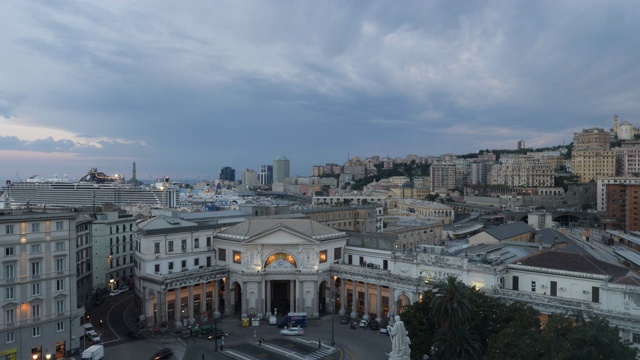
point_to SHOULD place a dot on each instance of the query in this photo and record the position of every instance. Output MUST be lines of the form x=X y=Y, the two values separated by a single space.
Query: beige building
x=592 y=157
x=522 y=171
x=422 y=209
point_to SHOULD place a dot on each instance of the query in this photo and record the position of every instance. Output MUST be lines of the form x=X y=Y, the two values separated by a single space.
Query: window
x=8 y=229
x=184 y=264
x=9 y=251
x=59 y=225
x=35 y=269
x=35 y=227
x=60 y=306
x=59 y=246
x=9 y=273
x=196 y=243
x=59 y=265
x=10 y=316
x=10 y=337
x=36 y=249
x=636 y=338
x=156 y=268
x=60 y=285
x=533 y=286
x=35 y=289
x=337 y=253
x=170 y=245
x=184 y=244
x=35 y=312
x=171 y=265
x=196 y=262
x=35 y=332
x=60 y=326
x=208 y=240
x=323 y=256
x=156 y=248
x=222 y=254
x=9 y=293
x=237 y=258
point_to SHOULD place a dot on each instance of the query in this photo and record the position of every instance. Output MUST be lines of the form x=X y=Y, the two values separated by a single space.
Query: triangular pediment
x=280 y=235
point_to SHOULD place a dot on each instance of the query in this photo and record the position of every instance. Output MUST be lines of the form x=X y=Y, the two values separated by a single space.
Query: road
x=242 y=343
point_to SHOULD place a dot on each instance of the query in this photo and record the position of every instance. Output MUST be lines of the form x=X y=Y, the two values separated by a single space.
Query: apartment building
x=352 y=218
x=592 y=157
x=443 y=176
x=113 y=250
x=628 y=159
x=422 y=209
x=38 y=295
x=523 y=171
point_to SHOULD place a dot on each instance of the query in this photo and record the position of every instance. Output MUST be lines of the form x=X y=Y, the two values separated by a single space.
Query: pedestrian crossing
x=320 y=354
x=179 y=347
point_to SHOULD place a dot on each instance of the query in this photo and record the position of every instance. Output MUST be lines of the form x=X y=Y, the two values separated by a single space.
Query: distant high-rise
x=280 y=169
x=266 y=175
x=520 y=144
x=228 y=174
x=249 y=178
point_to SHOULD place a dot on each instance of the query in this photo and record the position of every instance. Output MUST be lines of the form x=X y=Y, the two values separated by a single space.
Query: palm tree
x=451 y=311
x=451 y=307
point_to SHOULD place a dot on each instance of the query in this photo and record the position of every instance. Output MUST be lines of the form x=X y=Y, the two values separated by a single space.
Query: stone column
x=191 y=317
x=292 y=296
x=243 y=299
x=354 y=313
x=228 y=309
x=260 y=305
x=392 y=301
x=215 y=300
x=315 y=305
x=343 y=297
x=177 y=308
x=203 y=301
x=379 y=304
x=366 y=300
x=268 y=295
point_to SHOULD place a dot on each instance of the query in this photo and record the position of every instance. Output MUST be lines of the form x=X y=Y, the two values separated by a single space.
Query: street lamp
x=111 y=281
x=48 y=355
x=333 y=317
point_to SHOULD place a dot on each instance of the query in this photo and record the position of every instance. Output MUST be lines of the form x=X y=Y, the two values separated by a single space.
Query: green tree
x=451 y=312
x=420 y=326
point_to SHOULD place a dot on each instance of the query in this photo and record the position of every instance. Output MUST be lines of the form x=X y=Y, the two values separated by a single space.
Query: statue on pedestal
x=399 y=341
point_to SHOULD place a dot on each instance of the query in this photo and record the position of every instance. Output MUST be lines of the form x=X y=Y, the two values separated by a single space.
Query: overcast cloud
x=184 y=88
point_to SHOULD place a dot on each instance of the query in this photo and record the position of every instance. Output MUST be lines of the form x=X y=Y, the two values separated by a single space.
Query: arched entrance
x=324 y=297
x=402 y=301
x=237 y=298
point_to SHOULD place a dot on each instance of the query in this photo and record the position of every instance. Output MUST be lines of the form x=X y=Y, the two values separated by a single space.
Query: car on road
x=384 y=331
x=292 y=331
x=164 y=353
x=344 y=320
x=124 y=289
x=115 y=293
x=218 y=335
x=364 y=323
x=94 y=337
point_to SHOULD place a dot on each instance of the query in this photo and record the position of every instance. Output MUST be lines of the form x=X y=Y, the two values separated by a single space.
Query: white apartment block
x=38 y=297
x=520 y=172
x=351 y=199
x=113 y=250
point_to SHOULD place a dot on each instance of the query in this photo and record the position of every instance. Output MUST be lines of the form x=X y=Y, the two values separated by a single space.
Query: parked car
x=344 y=320
x=88 y=328
x=115 y=293
x=124 y=289
x=164 y=353
x=94 y=337
x=292 y=331
x=364 y=323
x=384 y=331
x=374 y=325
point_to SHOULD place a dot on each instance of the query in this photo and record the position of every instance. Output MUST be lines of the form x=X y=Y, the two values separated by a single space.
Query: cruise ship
x=93 y=189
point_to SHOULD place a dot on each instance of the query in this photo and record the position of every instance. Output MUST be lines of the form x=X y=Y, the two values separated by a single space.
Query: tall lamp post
x=333 y=316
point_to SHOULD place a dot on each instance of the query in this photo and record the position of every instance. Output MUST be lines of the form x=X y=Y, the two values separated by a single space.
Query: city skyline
x=185 y=89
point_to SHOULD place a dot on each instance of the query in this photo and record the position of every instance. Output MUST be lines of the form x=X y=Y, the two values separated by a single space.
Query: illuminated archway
x=280 y=260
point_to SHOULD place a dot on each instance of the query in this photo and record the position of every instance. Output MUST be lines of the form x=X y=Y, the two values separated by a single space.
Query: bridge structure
x=564 y=217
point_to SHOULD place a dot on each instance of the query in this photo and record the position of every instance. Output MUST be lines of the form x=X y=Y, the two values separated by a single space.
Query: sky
x=184 y=88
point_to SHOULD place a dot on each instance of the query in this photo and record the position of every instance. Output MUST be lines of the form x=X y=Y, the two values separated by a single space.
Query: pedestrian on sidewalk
x=319 y=344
